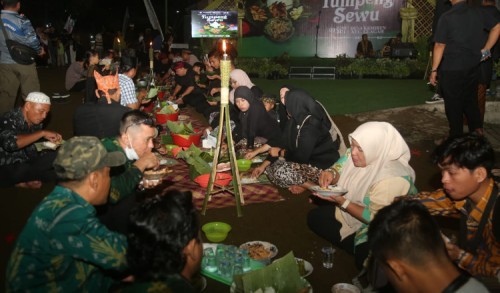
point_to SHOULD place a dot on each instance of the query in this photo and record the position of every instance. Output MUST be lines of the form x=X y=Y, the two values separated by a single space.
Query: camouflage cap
x=81 y=155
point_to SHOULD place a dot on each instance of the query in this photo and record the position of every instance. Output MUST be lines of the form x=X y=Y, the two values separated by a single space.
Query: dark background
x=93 y=15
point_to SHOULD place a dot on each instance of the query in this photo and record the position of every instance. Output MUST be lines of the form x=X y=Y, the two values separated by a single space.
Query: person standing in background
x=460 y=44
x=12 y=74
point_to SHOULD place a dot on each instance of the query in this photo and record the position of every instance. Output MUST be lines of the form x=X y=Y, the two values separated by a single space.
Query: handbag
x=21 y=53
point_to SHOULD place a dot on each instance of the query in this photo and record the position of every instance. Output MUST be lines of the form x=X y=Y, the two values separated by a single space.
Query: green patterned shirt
x=64 y=247
x=125 y=178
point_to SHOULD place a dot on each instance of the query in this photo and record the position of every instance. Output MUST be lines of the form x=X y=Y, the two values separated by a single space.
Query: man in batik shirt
x=469 y=192
x=64 y=247
x=20 y=128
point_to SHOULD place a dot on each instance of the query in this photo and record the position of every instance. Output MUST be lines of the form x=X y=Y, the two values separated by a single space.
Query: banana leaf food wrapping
x=282 y=275
x=197 y=160
x=168 y=109
x=181 y=128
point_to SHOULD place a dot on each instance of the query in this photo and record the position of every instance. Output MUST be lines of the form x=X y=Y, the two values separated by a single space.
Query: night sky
x=92 y=15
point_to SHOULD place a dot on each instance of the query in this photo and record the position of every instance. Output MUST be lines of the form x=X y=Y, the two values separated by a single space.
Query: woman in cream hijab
x=374 y=172
x=240 y=78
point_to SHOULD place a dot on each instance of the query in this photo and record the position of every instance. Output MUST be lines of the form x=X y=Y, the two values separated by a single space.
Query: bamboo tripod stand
x=235 y=189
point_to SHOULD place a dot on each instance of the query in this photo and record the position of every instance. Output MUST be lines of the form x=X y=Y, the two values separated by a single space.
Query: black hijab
x=299 y=105
x=255 y=121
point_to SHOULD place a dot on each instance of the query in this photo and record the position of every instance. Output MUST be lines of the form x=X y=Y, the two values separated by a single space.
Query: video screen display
x=214 y=24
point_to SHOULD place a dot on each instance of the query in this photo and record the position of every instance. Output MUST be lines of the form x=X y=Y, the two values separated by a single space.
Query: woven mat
x=179 y=179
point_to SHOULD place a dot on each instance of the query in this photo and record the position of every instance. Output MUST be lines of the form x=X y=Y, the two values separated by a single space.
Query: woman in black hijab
x=255 y=122
x=310 y=143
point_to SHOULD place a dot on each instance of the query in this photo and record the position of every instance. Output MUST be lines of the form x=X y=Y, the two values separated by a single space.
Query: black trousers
x=79 y=86
x=321 y=221
x=459 y=89
x=36 y=169
x=197 y=101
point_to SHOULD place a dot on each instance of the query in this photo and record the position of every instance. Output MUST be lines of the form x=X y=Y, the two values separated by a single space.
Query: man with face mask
x=20 y=162
x=135 y=140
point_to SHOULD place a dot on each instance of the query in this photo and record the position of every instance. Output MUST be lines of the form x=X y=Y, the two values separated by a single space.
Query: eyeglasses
x=146 y=121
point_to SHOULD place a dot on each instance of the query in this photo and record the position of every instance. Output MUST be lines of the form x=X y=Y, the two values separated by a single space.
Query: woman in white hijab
x=374 y=171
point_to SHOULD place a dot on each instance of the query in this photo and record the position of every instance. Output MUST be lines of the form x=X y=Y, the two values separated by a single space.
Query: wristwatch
x=344 y=205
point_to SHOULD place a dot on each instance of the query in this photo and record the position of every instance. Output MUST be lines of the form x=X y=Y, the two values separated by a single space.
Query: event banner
x=214 y=24
x=323 y=28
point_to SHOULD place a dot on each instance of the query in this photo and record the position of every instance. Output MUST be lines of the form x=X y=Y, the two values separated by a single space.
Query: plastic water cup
x=225 y=267
x=237 y=269
x=221 y=250
x=328 y=252
x=210 y=263
x=209 y=251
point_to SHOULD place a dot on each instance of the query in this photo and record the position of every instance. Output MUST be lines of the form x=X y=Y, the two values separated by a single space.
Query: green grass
x=356 y=95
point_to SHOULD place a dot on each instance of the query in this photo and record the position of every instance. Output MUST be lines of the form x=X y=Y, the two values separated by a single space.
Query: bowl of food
x=244 y=164
x=163 y=118
x=260 y=251
x=221 y=179
x=184 y=140
x=216 y=231
x=330 y=190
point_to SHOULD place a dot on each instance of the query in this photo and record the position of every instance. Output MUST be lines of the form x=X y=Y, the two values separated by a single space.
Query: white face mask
x=130 y=152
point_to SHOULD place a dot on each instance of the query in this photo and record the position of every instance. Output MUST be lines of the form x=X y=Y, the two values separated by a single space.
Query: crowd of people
x=93 y=232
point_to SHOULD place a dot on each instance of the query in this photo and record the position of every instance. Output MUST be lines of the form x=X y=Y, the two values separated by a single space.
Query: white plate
x=232 y=289
x=183 y=117
x=308 y=266
x=257 y=160
x=249 y=180
x=345 y=288
x=268 y=246
x=168 y=161
x=329 y=191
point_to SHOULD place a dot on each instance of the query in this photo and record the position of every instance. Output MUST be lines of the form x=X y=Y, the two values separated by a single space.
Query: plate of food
x=156 y=174
x=345 y=288
x=330 y=190
x=183 y=117
x=260 y=250
x=222 y=167
x=48 y=145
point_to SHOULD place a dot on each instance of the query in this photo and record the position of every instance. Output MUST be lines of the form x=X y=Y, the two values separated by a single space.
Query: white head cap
x=38 y=97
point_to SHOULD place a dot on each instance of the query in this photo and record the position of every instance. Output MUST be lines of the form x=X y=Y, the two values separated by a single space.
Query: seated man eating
x=469 y=193
x=64 y=247
x=20 y=128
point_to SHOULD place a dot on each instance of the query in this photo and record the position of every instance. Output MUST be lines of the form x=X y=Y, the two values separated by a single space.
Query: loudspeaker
x=404 y=50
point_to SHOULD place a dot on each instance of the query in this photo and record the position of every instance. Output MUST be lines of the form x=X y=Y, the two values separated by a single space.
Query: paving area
x=428 y=122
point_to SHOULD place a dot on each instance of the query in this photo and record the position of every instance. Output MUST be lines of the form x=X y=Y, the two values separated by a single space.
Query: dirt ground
x=282 y=223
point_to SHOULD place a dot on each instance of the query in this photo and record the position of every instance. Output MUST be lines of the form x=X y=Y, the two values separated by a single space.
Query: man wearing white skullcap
x=21 y=164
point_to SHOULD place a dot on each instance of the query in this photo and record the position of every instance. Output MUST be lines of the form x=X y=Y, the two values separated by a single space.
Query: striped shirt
x=486 y=260
x=127 y=90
